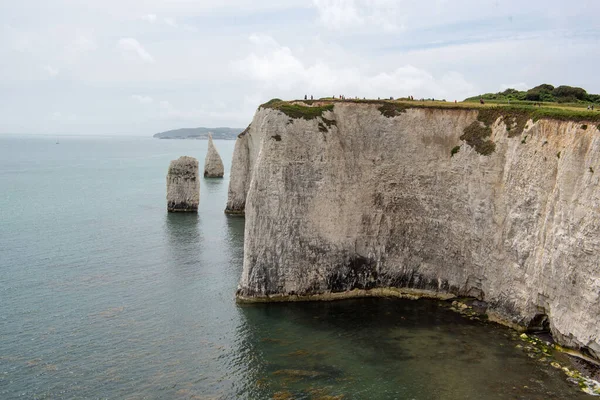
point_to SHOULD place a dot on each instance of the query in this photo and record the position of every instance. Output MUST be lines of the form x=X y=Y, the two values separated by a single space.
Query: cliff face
x=213 y=165
x=373 y=202
x=183 y=186
x=245 y=153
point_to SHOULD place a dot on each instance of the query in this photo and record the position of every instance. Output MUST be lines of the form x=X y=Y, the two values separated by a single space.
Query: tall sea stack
x=213 y=165
x=183 y=186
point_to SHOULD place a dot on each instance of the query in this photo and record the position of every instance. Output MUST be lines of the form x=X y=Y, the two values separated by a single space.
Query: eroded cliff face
x=374 y=202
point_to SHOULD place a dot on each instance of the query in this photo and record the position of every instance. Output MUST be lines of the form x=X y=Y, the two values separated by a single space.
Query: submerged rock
x=183 y=186
x=213 y=165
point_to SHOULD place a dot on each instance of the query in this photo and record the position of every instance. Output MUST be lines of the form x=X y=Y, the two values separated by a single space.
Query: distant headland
x=200 y=133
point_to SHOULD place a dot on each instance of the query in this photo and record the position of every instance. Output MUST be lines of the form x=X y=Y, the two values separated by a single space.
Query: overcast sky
x=140 y=67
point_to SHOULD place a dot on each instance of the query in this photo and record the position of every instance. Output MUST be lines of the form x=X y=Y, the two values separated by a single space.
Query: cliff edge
x=381 y=198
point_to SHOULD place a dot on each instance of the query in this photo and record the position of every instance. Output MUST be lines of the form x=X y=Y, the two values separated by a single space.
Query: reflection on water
x=106 y=301
x=214 y=185
x=183 y=229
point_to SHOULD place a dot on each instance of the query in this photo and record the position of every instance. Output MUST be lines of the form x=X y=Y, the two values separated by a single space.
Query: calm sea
x=103 y=295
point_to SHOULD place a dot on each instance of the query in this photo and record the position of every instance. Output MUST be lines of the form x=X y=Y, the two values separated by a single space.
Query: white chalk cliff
x=183 y=185
x=213 y=165
x=355 y=202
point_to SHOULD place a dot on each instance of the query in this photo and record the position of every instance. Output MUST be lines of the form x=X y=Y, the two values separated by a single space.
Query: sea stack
x=183 y=186
x=213 y=165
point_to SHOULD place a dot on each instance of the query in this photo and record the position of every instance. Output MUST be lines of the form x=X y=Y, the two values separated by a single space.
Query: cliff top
x=311 y=109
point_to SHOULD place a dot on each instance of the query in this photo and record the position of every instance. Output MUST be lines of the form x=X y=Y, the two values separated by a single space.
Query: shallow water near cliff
x=105 y=295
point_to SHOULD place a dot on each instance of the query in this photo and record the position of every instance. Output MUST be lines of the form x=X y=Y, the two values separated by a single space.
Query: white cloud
x=149 y=18
x=61 y=117
x=189 y=28
x=83 y=44
x=199 y=115
x=171 y=22
x=168 y=21
x=277 y=67
x=168 y=111
x=19 y=41
x=319 y=47
x=353 y=14
x=130 y=46
x=50 y=70
x=142 y=99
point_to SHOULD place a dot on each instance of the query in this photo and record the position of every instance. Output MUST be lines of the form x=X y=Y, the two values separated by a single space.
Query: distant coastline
x=200 y=133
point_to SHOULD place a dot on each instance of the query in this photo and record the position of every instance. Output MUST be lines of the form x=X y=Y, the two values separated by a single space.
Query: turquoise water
x=105 y=295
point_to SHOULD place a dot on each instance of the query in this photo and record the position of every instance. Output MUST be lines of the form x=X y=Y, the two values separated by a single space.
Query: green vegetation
x=475 y=135
x=328 y=122
x=514 y=115
x=271 y=103
x=297 y=110
x=542 y=93
x=524 y=141
x=584 y=127
x=454 y=150
x=325 y=124
x=561 y=114
x=558 y=155
x=591 y=170
x=391 y=110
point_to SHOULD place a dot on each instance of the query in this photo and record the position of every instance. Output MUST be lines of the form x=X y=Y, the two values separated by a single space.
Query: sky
x=133 y=67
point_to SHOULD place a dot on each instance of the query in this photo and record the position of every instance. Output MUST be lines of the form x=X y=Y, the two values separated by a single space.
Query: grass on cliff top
x=519 y=113
x=294 y=110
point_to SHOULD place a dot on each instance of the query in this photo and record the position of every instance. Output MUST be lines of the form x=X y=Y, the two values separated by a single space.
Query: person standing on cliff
x=311 y=97
x=305 y=97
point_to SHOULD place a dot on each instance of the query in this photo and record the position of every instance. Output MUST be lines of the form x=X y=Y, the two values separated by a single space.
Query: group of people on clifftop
x=343 y=97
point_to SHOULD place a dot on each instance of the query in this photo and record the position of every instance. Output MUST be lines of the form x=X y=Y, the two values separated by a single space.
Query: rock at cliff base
x=213 y=165
x=183 y=186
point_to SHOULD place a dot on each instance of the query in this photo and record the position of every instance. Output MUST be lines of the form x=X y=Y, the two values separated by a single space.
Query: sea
x=105 y=295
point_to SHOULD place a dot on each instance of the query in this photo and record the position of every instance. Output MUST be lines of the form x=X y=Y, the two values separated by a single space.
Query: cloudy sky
x=139 y=67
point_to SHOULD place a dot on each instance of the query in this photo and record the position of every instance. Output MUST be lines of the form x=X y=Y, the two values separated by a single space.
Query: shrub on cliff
x=297 y=110
x=569 y=92
x=540 y=93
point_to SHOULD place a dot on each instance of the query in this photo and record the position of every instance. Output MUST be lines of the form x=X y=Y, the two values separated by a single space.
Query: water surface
x=105 y=295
